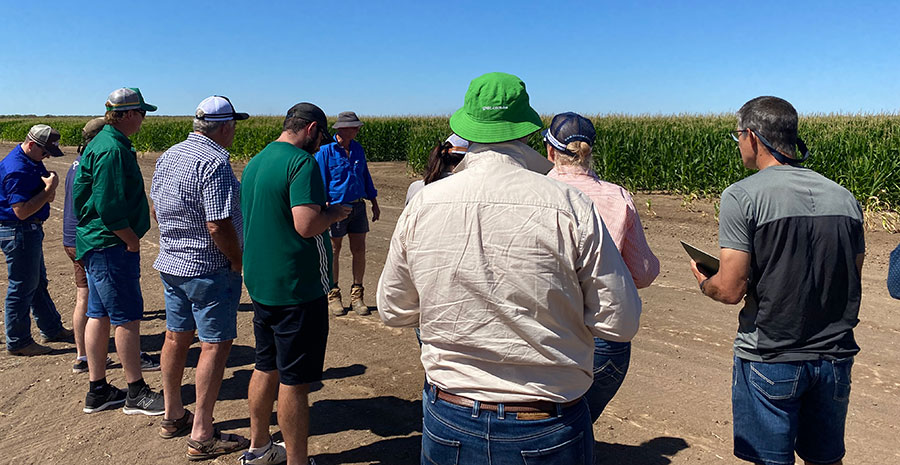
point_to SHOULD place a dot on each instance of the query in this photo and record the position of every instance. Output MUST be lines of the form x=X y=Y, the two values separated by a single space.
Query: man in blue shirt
x=26 y=190
x=347 y=178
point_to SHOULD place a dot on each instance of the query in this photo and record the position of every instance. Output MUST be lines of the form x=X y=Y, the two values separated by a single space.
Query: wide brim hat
x=496 y=109
x=347 y=119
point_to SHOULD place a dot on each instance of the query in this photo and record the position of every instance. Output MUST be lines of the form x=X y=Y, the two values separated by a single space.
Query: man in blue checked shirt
x=196 y=201
x=347 y=178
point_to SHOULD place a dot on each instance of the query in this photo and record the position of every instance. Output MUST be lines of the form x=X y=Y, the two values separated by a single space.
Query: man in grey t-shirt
x=792 y=248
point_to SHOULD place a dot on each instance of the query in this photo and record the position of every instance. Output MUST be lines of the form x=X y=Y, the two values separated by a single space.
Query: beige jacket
x=508 y=274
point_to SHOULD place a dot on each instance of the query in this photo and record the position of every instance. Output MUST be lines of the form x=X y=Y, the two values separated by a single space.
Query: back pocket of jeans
x=842 y=378
x=776 y=381
x=439 y=451
x=568 y=452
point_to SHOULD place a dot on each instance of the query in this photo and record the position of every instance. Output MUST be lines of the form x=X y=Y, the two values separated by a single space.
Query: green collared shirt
x=108 y=192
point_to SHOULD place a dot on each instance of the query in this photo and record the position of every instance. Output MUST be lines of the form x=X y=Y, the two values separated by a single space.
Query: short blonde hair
x=113 y=117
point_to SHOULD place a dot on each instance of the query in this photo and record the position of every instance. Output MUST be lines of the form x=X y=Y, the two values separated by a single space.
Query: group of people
x=519 y=272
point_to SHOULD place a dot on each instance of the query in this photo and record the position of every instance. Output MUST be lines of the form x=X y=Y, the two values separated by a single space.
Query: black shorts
x=291 y=339
x=357 y=222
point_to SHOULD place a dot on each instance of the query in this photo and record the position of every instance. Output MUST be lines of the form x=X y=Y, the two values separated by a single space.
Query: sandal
x=169 y=429
x=218 y=444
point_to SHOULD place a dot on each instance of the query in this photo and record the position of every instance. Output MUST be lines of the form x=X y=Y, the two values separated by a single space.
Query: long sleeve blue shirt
x=346 y=176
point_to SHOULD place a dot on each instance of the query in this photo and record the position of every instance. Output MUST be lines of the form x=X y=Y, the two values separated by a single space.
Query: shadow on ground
x=656 y=451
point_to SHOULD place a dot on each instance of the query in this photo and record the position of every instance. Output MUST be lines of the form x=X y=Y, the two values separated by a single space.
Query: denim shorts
x=292 y=340
x=452 y=434
x=610 y=366
x=207 y=303
x=784 y=407
x=357 y=222
x=114 y=284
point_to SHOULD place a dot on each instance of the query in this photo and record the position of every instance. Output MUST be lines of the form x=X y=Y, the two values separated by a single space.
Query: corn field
x=682 y=154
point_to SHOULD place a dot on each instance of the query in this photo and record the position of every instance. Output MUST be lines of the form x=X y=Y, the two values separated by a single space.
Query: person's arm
x=109 y=199
x=729 y=285
x=311 y=220
x=612 y=307
x=641 y=261
x=396 y=296
x=322 y=160
x=226 y=239
x=25 y=209
x=371 y=192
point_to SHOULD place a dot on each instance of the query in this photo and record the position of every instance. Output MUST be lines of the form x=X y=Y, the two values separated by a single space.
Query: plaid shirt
x=193 y=183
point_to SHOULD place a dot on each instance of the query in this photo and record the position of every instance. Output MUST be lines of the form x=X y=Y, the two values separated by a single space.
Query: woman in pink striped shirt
x=569 y=144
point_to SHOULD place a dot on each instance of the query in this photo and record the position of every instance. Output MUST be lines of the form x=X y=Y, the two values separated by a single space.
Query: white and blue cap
x=218 y=108
x=460 y=145
x=569 y=127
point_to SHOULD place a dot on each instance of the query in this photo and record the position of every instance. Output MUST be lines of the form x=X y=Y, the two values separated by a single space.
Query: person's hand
x=376 y=212
x=339 y=212
x=697 y=273
x=50 y=181
x=135 y=247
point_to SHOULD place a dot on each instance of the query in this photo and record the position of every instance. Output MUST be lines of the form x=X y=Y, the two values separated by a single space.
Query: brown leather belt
x=539 y=406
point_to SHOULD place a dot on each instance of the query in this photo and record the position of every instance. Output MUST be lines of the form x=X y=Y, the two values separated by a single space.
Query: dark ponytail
x=441 y=160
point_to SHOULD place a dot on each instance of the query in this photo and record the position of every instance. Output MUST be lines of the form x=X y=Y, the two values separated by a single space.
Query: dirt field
x=673 y=408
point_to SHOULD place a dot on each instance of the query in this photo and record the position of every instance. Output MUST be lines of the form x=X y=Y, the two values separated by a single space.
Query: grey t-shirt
x=803 y=232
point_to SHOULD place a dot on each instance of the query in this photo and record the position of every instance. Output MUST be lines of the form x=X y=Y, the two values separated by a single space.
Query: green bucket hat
x=496 y=109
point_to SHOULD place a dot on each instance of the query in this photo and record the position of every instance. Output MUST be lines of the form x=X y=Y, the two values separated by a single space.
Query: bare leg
x=210 y=369
x=96 y=339
x=293 y=418
x=128 y=346
x=358 y=250
x=336 y=243
x=261 y=396
x=79 y=320
x=172 y=360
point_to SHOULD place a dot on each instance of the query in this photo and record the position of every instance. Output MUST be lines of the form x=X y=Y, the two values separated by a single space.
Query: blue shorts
x=207 y=303
x=357 y=222
x=114 y=284
x=784 y=407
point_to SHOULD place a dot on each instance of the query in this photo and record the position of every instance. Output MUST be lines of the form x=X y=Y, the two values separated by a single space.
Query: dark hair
x=441 y=160
x=775 y=119
x=294 y=124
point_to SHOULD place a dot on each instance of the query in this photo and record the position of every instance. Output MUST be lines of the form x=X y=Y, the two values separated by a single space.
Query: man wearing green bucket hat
x=508 y=274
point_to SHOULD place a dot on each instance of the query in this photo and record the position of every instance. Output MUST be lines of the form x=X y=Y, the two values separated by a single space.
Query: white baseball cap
x=218 y=108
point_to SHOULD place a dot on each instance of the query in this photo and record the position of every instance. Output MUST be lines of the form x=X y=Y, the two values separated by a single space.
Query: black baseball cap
x=310 y=112
x=569 y=127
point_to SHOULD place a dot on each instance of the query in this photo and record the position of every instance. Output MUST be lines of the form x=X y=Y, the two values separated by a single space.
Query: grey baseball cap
x=46 y=138
x=127 y=98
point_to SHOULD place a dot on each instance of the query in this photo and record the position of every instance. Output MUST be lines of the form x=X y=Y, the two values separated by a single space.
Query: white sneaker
x=275 y=454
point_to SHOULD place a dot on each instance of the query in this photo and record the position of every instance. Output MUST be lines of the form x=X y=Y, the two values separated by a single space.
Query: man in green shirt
x=287 y=269
x=112 y=211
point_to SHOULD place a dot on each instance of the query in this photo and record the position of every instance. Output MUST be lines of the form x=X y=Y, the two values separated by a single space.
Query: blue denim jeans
x=22 y=245
x=610 y=366
x=453 y=435
x=784 y=407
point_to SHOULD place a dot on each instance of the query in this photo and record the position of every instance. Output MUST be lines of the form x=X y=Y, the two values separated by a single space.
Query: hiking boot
x=81 y=366
x=31 y=349
x=356 y=300
x=273 y=455
x=64 y=335
x=111 y=397
x=148 y=363
x=335 y=304
x=147 y=402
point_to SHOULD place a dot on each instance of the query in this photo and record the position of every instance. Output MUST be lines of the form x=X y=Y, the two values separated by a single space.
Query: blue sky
x=417 y=57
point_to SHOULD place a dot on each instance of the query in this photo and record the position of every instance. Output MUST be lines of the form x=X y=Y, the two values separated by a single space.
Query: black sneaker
x=147 y=402
x=81 y=366
x=147 y=363
x=112 y=397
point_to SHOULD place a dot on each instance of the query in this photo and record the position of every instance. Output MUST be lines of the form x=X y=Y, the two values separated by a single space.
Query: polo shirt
x=803 y=233
x=20 y=180
x=108 y=192
x=346 y=175
x=280 y=266
x=193 y=183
